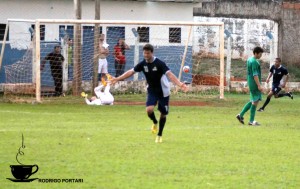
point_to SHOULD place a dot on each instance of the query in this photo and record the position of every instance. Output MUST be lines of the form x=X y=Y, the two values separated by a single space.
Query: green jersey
x=253 y=69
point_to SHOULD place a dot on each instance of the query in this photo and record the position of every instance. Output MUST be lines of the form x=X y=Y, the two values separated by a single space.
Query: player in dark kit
x=156 y=72
x=56 y=60
x=277 y=71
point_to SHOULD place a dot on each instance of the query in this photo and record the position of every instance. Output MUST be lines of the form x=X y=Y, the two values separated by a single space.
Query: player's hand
x=184 y=87
x=113 y=80
x=267 y=81
x=283 y=85
x=260 y=88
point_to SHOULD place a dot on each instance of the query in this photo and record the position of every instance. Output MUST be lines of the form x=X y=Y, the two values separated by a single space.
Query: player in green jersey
x=254 y=84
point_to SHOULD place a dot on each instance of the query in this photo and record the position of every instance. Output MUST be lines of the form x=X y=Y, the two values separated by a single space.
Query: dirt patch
x=172 y=103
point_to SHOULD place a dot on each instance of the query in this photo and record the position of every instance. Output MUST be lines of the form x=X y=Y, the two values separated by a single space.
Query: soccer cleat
x=241 y=120
x=254 y=123
x=158 y=139
x=154 y=129
x=291 y=95
x=84 y=95
x=260 y=110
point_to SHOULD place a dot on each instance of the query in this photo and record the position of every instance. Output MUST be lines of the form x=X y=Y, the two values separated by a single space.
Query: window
x=42 y=32
x=174 y=35
x=66 y=30
x=2 y=32
x=144 y=34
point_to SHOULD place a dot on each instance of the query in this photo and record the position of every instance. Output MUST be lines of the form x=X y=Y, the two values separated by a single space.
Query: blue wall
x=173 y=60
x=10 y=56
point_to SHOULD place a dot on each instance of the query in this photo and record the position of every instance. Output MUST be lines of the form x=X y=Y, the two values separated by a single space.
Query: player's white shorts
x=102 y=68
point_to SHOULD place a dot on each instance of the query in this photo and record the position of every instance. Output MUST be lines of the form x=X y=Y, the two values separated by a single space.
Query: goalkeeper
x=103 y=95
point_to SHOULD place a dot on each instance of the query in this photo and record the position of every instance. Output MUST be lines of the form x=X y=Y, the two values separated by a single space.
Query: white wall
x=109 y=10
x=245 y=33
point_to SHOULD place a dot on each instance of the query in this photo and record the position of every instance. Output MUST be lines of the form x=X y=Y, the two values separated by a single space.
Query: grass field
x=111 y=147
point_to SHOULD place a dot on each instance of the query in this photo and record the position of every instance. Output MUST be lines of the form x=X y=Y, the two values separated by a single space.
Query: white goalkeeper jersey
x=103 y=98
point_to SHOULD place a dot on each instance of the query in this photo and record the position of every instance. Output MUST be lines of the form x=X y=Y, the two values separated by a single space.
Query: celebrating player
x=158 y=89
x=277 y=71
x=254 y=83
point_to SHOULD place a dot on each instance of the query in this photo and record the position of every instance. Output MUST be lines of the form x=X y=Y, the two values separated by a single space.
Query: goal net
x=48 y=58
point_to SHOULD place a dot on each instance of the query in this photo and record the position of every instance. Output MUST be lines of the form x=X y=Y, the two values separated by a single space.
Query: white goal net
x=55 y=57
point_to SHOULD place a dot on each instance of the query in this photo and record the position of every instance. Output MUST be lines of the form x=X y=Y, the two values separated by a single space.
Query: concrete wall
x=245 y=34
x=286 y=15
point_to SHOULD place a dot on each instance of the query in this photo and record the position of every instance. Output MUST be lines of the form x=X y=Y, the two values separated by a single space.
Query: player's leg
x=163 y=107
x=57 y=82
x=116 y=68
x=99 y=71
x=107 y=98
x=98 y=91
x=150 y=104
x=255 y=97
x=270 y=94
x=240 y=116
x=104 y=68
x=122 y=67
x=289 y=94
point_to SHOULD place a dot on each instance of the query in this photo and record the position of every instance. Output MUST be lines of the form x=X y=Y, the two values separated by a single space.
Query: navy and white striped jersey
x=278 y=73
x=155 y=74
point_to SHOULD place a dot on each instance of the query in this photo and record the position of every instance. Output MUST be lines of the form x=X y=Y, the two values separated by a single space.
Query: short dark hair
x=257 y=50
x=57 y=46
x=148 y=47
x=279 y=59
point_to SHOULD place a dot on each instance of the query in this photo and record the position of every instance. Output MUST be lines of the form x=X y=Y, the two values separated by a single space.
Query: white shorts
x=102 y=68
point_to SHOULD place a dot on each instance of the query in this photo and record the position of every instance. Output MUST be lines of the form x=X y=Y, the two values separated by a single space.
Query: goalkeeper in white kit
x=103 y=95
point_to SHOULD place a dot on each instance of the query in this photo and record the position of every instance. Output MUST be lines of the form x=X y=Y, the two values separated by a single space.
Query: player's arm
x=126 y=75
x=255 y=71
x=269 y=77
x=43 y=62
x=174 y=79
x=257 y=83
x=88 y=102
x=285 y=80
x=104 y=50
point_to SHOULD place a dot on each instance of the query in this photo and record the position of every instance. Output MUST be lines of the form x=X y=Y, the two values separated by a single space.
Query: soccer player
x=255 y=88
x=56 y=60
x=156 y=72
x=103 y=97
x=278 y=72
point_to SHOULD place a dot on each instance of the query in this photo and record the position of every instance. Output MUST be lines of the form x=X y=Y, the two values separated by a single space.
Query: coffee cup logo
x=22 y=172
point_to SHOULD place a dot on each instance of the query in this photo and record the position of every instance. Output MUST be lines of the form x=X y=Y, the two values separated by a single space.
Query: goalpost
x=199 y=45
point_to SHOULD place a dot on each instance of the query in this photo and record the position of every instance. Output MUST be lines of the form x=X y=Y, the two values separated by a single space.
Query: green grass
x=111 y=146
